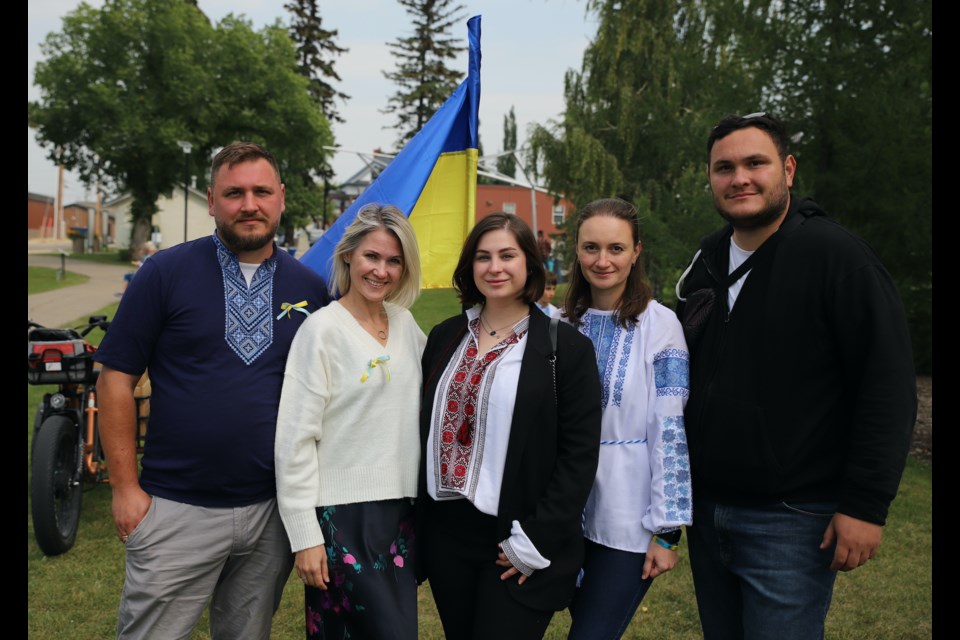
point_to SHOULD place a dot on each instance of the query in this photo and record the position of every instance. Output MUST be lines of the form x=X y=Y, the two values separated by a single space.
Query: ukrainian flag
x=433 y=180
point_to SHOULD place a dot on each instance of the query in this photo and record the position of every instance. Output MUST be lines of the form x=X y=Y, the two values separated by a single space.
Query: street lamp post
x=187 y=147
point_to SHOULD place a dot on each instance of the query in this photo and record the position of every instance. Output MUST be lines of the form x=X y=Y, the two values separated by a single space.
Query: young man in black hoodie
x=803 y=395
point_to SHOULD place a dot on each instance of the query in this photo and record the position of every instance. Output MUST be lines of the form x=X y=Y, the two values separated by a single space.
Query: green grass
x=40 y=279
x=890 y=597
x=107 y=256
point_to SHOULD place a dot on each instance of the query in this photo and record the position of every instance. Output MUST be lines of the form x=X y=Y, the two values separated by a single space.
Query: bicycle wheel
x=56 y=485
x=37 y=421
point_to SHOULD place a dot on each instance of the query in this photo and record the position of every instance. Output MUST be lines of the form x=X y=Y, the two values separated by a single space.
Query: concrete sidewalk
x=59 y=307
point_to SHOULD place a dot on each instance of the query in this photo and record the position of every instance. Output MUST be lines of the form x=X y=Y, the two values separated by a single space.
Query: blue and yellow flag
x=433 y=180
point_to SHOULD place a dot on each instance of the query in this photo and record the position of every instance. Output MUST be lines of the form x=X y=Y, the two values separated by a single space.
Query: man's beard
x=244 y=243
x=776 y=205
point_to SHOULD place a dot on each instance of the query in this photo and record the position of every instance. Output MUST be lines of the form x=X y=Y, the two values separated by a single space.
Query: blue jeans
x=759 y=572
x=609 y=593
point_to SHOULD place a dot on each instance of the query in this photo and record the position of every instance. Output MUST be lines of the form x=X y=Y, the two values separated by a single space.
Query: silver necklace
x=495 y=332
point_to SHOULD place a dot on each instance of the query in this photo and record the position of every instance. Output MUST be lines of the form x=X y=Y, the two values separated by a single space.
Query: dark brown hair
x=760 y=120
x=637 y=292
x=238 y=152
x=463 y=274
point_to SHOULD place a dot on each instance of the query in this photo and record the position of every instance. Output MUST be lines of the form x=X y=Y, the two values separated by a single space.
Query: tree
x=507 y=165
x=276 y=110
x=121 y=84
x=425 y=82
x=852 y=81
x=635 y=117
x=315 y=50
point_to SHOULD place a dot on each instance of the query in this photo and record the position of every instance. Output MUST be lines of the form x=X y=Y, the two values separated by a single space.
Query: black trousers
x=460 y=561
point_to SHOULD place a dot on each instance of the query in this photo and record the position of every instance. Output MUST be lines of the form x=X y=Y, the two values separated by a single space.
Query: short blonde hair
x=369 y=218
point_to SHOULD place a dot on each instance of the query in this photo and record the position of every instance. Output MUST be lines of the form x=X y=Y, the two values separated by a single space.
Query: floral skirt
x=372 y=591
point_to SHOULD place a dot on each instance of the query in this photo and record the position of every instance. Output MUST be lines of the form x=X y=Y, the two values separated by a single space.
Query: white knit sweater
x=340 y=440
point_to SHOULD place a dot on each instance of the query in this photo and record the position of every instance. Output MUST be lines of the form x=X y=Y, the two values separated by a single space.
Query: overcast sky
x=526 y=45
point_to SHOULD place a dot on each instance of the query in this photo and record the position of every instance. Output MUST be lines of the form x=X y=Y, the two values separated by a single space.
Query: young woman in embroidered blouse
x=641 y=496
x=348 y=446
x=510 y=445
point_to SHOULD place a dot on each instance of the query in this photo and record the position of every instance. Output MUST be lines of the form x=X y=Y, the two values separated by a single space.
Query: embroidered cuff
x=515 y=560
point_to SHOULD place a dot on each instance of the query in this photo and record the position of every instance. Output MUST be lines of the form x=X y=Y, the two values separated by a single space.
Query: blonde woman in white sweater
x=348 y=446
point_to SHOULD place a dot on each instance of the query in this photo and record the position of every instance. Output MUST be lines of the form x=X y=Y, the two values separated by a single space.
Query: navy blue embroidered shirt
x=216 y=351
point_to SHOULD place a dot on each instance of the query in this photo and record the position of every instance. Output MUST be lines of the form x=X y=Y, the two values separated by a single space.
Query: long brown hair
x=637 y=293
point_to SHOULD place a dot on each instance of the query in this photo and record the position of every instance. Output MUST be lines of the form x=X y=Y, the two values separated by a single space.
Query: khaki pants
x=180 y=557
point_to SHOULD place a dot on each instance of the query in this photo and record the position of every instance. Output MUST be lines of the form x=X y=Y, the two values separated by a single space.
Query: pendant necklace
x=495 y=332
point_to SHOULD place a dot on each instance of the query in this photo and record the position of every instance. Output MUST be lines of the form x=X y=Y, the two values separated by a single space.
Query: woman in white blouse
x=348 y=445
x=510 y=434
x=641 y=496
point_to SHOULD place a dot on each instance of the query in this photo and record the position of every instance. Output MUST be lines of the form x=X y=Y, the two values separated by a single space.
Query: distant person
x=641 y=496
x=546 y=250
x=549 y=291
x=147 y=250
x=803 y=395
x=510 y=442
x=348 y=440
x=212 y=319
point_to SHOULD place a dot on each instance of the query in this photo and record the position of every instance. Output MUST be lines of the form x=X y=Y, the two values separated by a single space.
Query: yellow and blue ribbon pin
x=372 y=364
x=287 y=308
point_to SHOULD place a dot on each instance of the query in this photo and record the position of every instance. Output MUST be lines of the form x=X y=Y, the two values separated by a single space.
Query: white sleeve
x=303 y=397
x=521 y=551
x=669 y=371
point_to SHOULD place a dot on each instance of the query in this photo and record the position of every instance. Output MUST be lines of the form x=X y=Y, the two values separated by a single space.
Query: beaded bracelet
x=666 y=545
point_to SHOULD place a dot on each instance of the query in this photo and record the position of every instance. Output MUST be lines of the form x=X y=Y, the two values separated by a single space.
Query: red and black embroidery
x=461 y=426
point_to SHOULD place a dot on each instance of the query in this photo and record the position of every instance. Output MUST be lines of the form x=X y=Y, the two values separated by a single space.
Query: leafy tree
x=507 y=165
x=424 y=80
x=855 y=84
x=274 y=108
x=121 y=84
x=636 y=112
x=852 y=80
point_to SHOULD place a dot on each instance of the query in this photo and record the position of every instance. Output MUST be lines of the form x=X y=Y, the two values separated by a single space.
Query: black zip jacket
x=806 y=390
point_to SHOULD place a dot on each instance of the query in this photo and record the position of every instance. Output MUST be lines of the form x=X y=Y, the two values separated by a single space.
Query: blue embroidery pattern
x=678 y=505
x=249 y=325
x=605 y=333
x=671 y=372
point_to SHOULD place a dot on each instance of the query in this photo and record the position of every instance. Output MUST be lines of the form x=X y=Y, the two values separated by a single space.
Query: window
x=510 y=207
x=559 y=214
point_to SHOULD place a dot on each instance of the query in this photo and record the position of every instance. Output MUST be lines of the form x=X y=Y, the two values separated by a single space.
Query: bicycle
x=66 y=453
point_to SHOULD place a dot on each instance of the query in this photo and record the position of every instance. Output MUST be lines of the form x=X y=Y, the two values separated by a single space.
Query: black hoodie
x=806 y=390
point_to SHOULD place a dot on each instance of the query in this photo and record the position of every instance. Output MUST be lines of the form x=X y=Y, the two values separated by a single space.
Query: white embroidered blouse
x=643 y=478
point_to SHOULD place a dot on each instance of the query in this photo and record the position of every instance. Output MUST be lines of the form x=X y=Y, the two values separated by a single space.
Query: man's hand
x=857 y=541
x=130 y=506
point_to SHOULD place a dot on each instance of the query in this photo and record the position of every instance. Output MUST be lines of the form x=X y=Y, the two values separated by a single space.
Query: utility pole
x=58 y=211
x=187 y=147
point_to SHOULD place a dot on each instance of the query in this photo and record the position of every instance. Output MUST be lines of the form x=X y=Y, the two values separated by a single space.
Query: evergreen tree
x=424 y=80
x=315 y=52
x=507 y=165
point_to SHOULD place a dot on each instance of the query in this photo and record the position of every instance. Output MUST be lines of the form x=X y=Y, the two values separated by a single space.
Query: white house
x=169 y=222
